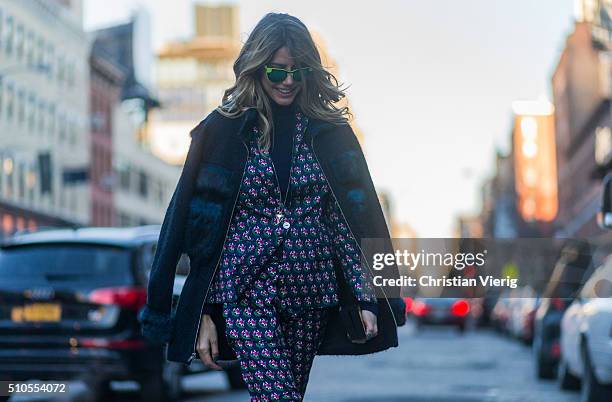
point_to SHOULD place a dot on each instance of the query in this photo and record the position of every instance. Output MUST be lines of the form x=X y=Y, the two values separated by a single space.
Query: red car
x=439 y=311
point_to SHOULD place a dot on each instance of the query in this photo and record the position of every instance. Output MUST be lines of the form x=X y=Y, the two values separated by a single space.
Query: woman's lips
x=285 y=94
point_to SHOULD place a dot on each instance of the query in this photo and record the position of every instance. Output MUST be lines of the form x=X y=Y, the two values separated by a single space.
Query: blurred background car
x=440 y=311
x=524 y=302
x=529 y=312
x=566 y=279
x=69 y=300
x=500 y=314
x=586 y=338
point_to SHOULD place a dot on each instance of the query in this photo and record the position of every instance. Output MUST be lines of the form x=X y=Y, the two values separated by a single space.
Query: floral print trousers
x=275 y=345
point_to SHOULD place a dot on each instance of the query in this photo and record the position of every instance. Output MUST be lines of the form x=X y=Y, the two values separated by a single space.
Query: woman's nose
x=288 y=79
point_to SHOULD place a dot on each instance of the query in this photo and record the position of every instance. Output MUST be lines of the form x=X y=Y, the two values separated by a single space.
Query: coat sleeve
x=379 y=227
x=346 y=249
x=157 y=317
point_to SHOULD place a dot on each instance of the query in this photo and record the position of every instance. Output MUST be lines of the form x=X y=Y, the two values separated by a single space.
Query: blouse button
x=286 y=225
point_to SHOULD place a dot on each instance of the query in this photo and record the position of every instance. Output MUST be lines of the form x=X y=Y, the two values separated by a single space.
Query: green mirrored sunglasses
x=277 y=75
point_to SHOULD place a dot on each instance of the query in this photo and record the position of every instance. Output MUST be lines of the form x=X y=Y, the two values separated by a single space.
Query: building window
x=143 y=185
x=20 y=106
x=40 y=63
x=160 y=192
x=72 y=129
x=21 y=181
x=70 y=73
x=61 y=129
x=8 y=46
x=41 y=117
x=10 y=102
x=19 y=39
x=50 y=60
x=123 y=169
x=29 y=49
x=31 y=111
x=61 y=66
x=51 y=120
x=31 y=182
x=7 y=166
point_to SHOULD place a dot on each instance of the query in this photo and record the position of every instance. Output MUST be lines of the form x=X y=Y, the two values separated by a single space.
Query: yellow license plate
x=37 y=312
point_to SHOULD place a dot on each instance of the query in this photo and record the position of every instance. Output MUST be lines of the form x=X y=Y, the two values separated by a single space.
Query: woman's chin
x=284 y=101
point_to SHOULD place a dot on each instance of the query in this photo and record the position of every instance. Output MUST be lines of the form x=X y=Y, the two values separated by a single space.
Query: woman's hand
x=369 y=323
x=207 y=345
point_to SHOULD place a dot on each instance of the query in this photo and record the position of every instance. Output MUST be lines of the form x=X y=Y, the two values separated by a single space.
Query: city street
x=167 y=165
x=432 y=365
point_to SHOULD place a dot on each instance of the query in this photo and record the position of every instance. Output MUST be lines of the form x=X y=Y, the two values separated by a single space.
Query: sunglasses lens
x=297 y=75
x=277 y=75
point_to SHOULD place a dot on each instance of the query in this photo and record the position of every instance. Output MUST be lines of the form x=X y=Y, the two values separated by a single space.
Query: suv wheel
x=566 y=379
x=544 y=370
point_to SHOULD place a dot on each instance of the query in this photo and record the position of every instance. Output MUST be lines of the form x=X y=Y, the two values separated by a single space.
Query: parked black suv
x=69 y=300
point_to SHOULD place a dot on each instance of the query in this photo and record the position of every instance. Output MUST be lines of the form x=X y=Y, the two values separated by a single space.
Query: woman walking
x=274 y=250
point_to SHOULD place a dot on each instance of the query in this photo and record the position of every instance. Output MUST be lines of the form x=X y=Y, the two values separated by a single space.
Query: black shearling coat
x=199 y=214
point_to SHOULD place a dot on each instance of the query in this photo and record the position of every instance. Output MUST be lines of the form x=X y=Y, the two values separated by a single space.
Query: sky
x=431 y=83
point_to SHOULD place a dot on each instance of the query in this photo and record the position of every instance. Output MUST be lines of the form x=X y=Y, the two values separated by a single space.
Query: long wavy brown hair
x=320 y=90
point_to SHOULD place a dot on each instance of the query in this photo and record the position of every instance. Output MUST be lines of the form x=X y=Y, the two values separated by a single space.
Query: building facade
x=581 y=89
x=106 y=80
x=141 y=184
x=191 y=77
x=44 y=130
x=144 y=183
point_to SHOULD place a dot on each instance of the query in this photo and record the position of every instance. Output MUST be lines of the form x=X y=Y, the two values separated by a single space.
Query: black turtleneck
x=282 y=141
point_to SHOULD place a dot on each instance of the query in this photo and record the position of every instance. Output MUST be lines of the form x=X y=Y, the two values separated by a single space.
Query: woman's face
x=284 y=92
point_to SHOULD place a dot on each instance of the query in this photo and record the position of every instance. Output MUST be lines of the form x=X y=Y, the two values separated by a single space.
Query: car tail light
x=111 y=344
x=408 y=302
x=460 y=308
x=419 y=308
x=127 y=297
x=555 y=349
x=557 y=303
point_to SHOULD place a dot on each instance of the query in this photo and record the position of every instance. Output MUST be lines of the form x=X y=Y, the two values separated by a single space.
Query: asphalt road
x=431 y=365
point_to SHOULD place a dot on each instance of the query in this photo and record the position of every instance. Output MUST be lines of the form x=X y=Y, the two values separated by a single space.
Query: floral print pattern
x=275 y=347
